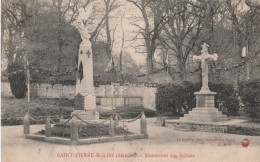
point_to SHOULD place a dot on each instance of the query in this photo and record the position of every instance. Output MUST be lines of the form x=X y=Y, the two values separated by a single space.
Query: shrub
x=172 y=97
x=169 y=98
x=190 y=98
x=227 y=95
x=250 y=95
x=17 y=80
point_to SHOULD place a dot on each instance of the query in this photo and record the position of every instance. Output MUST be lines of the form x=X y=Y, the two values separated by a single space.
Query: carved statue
x=81 y=22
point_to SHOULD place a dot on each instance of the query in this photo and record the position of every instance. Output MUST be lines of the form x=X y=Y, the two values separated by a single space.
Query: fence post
x=111 y=128
x=48 y=127
x=26 y=124
x=143 y=125
x=74 y=134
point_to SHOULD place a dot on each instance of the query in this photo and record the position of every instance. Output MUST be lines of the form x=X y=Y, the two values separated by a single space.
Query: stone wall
x=5 y=89
x=45 y=90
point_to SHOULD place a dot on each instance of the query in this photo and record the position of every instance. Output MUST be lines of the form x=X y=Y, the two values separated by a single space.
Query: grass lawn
x=13 y=110
x=12 y=107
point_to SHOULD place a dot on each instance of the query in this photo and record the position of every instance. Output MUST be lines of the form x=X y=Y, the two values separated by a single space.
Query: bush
x=250 y=95
x=172 y=97
x=227 y=95
x=17 y=80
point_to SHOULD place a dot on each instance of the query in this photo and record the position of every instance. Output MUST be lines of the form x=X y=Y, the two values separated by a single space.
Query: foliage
x=173 y=97
x=17 y=80
x=227 y=95
x=250 y=95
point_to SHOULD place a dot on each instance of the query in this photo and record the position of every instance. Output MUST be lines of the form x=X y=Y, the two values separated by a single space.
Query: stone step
x=205 y=112
x=190 y=119
x=204 y=115
x=205 y=109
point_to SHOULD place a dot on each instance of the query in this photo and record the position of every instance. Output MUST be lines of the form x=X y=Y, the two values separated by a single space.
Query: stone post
x=163 y=122
x=48 y=127
x=143 y=125
x=26 y=124
x=111 y=128
x=74 y=134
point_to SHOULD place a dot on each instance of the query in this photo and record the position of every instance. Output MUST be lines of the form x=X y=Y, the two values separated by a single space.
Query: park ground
x=162 y=141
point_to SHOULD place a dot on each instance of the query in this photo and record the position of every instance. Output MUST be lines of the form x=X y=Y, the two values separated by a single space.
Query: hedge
x=172 y=97
x=249 y=92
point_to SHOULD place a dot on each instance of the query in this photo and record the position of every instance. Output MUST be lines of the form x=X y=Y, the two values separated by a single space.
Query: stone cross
x=204 y=58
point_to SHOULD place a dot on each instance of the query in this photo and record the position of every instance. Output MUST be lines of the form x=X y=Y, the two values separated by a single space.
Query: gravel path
x=165 y=143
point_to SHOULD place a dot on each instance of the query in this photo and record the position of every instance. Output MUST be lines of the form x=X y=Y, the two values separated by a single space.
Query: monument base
x=205 y=111
x=85 y=106
x=202 y=115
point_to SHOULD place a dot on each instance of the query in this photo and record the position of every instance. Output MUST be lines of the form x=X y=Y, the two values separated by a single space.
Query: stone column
x=85 y=98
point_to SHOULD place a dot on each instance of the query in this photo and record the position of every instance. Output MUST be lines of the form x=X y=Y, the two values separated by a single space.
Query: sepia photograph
x=130 y=80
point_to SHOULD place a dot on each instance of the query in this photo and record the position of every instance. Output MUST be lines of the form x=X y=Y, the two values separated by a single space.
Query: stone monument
x=205 y=110
x=85 y=99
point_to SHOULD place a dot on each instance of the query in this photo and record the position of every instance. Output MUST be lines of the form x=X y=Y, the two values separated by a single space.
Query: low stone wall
x=45 y=90
x=5 y=89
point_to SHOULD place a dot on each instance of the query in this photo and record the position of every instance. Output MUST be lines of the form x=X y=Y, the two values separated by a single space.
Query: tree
x=109 y=6
x=123 y=42
x=244 y=27
x=182 y=30
x=16 y=17
x=64 y=9
x=153 y=18
x=13 y=27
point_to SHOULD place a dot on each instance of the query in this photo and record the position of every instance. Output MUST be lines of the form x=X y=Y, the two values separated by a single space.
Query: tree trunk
x=59 y=36
x=182 y=67
x=109 y=41
x=183 y=71
x=149 y=62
